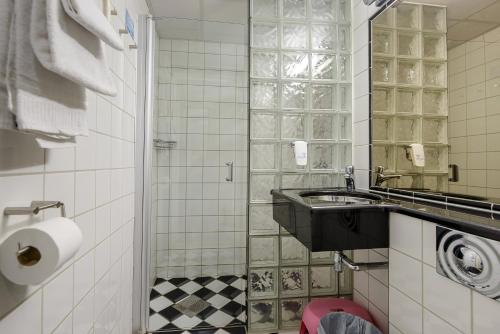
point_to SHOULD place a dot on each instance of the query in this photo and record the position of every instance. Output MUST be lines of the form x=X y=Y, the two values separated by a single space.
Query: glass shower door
x=200 y=127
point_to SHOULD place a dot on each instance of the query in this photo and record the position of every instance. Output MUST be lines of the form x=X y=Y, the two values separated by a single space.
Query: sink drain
x=191 y=305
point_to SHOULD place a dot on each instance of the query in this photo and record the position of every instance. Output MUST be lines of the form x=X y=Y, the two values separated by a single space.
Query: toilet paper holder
x=35 y=208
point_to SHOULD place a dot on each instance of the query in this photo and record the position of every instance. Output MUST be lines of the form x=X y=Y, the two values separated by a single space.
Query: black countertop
x=482 y=222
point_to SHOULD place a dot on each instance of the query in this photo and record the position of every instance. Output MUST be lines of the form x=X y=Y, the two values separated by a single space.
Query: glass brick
x=436 y=182
x=321 y=180
x=383 y=99
x=434 y=130
x=291 y=312
x=407 y=130
x=345 y=127
x=295 y=36
x=263 y=315
x=323 y=126
x=345 y=281
x=408 y=44
x=293 y=252
x=288 y=158
x=264 y=64
x=295 y=9
x=344 y=67
x=434 y=18
x=263 y=156
x=382 y=128
x=263 y=125
x=435 y=102
x=323 y=36
x=293 y=95
x=322 y=156
x=403 y=164
x=344 y=38
x=345 y=97
x=265 y=35
x=261 y=185
x=323 y=281
x=383 y=41
x=261 y=220
x=295 y=65
x=263 y=283
x=436 y=159
x=383 y=70
x=324 y=10
x=383 y=155
x=324 y=66
x=434 y=74
x=434 y=46
x=344 y=9
x=407 y=182
x=294 y=281
x=292 y=126
x=264 y=8
x=386 y=18
x=407 y=16
x=408 y=72
x=323 y=97
x=264 y=251
x=263 y=95
x=294 y=181
x=407 y=101
x=345 y=156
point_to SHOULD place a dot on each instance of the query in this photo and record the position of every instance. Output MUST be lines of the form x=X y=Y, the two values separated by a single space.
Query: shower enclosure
x=196 y=142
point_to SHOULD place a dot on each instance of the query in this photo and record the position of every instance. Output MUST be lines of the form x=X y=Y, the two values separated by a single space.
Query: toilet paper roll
x=300 y=150
x=31 y=254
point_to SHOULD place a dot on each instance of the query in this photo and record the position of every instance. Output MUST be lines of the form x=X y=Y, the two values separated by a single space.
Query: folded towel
x=92 y=18
x=65 y=47
x=6 y=11
x=44 y=103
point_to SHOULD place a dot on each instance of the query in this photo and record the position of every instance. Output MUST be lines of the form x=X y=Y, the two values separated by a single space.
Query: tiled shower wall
x=95 y=179
x=300 y=90
x=474 y=118
x=202 y=105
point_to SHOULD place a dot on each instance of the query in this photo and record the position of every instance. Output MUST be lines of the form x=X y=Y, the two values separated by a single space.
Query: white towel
x=92 y=18
x=44 y=103
x=65 y=47
x=6 y=11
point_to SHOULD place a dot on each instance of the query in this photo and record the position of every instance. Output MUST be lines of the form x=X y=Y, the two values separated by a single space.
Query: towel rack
x=35 y=208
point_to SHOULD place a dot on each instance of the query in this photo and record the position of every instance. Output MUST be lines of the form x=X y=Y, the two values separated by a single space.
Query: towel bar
x=35 y=208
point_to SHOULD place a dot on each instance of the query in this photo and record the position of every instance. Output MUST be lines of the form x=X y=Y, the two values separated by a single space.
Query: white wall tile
x=406 y=234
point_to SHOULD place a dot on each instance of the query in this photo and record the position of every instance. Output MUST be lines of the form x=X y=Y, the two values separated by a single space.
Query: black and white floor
x=226 y=313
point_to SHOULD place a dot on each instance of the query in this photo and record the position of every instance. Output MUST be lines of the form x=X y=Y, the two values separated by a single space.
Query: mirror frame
x=461 y=201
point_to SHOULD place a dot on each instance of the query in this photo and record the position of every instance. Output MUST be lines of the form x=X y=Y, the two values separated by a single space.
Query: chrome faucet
x=349 y=178
x=381 y=178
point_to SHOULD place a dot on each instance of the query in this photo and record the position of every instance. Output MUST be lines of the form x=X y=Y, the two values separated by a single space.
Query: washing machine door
x=469 y=260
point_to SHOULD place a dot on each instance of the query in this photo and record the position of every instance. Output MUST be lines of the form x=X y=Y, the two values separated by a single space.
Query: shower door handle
x=229 y=177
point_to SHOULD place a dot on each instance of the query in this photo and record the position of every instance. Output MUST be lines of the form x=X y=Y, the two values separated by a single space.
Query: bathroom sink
x=339 y=197
x=333 y=219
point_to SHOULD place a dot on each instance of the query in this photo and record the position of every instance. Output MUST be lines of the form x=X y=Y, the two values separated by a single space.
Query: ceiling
x=468 y=19
x=212 y=20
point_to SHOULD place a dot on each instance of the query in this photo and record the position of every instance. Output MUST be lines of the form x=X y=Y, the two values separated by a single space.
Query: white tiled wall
x=421 y=300
x=203 y=103
x=361 y=113
x=92 y=292
x=371 y=286
x=474 y=127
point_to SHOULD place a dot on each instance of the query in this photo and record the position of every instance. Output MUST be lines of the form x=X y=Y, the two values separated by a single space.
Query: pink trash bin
x=320 y=307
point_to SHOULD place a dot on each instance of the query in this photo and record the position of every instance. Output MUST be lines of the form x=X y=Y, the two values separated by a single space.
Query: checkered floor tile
x=226 y=313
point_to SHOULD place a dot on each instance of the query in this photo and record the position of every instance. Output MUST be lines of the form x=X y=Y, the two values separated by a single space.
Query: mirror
x=435 y=98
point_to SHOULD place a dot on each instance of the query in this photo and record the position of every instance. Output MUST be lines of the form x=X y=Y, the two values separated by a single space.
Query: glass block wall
x=300 y=89
x=410 y=100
